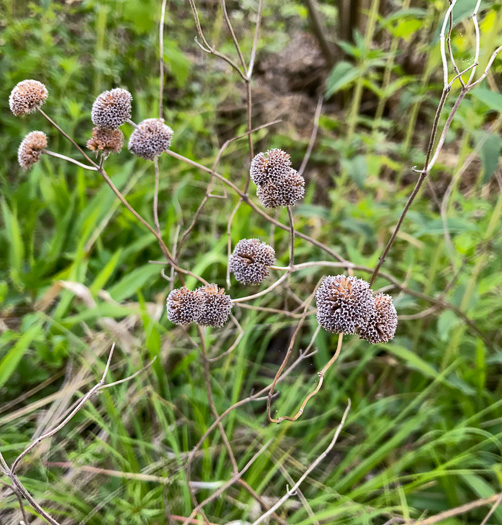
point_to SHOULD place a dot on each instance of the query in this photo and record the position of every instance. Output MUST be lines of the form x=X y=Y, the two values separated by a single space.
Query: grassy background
x=424 y=432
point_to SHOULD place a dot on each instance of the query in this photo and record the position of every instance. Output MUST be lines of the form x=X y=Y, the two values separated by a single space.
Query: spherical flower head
x=285 y=192
x=30 y=149
x=271 y=166
x=250 y=260
x=106 y=140
x=215 y=307
x=382 y=323
x=344 y=304
x=27 y=97
x=150 y=139
x=183 y=306
x=112 y=108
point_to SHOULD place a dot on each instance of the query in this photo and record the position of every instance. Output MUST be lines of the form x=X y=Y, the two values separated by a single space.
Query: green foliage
x=424 y=431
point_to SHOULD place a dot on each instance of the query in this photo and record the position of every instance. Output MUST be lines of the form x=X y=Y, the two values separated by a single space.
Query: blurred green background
x=424 y=432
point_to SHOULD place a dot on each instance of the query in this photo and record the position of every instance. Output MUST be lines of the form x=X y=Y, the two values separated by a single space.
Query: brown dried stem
x=304 y=476
x=229 y=483
x=287 y=356
x=319 y=385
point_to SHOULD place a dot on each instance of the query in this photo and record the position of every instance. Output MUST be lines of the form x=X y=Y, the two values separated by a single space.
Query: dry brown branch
x=293 y=490
x=71 y=412
x=288 y=355
x=457 y=511
x=321 y=374
x=229 y=483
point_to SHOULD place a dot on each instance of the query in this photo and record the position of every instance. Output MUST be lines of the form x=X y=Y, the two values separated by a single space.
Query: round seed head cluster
x=30 y=149
x=285 y=192
x=151 y=138
x=250 y=260
x=107 y=140
x=112 y=108
x=271 y=166
x=382 y=323
x=344 y=304
x=27 y=96
x=215 y=307
x=183 y=306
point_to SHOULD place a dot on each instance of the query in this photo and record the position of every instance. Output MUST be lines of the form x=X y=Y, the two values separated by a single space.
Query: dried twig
x=293 y=489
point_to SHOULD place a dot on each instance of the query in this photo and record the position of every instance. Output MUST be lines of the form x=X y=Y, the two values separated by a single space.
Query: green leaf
x=15 y=243
x=101 y=280
x=9 y=363
x=462 y=10
x=341 y=76
x=178 y=63
x=447 y=320
x=413 y=360
x=356 y=169
x=489 y=154
x=133 y=281
x=488 y=97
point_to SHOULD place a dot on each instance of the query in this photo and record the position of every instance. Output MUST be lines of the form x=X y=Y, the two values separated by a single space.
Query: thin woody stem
x=156 y=195
x=69 y=159
x=287 y=356
x=245 y=198
x=42 y=112
x=292 y=238
x=161 y=58
x=319 y=385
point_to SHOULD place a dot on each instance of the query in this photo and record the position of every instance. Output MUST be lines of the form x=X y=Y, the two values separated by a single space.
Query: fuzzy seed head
x=344 y=304
x=271 y=166
x=250 y=260
x=112 y=108
x=382 y=323
x=285 y=192
x=106 y=140
x=151 y=138
x=215 y=307
x=27 y=97
x=30 y=149
x=183 y=306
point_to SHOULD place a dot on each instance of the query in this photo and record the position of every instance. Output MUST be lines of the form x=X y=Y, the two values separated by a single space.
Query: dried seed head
x=30 y=149
x=151 y=138
x=107 y=140
x=215 y=307
x=344 y=304
x=382 y=323
x=250 y=260
x=285 y=192
x=112 y=108
x=27 y=96
x=271 y=166
x=183 y=306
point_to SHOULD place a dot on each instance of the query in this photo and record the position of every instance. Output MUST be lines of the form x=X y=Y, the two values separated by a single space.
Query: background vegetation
x=424 y=431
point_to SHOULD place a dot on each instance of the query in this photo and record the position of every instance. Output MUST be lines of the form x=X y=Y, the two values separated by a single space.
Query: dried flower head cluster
x=347 y=304
x=271 y=166
x=382 y=324
x=112 y=108
x=106 y=140
x=150 y=139
x=284 y=193
x=27 y=96
x=278 y=183
x=250 y=261
x=343 y=304
x=30 y=149
x=215 y=307
x=206 y=306
x=183 y=305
